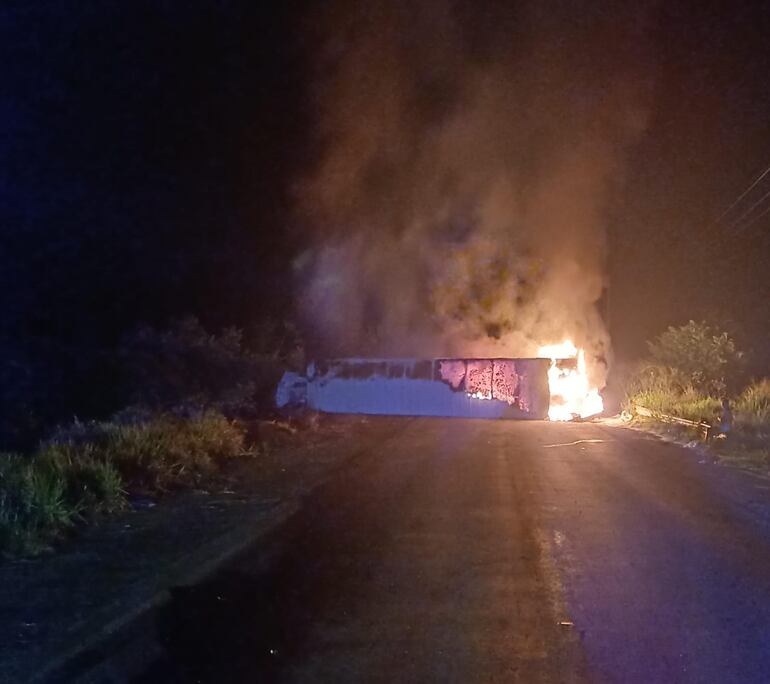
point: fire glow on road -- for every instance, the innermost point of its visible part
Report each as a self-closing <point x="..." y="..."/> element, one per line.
<point x="571" y="393"/>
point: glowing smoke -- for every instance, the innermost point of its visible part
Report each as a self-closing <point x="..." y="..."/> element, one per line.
<point x="470" y="152"/>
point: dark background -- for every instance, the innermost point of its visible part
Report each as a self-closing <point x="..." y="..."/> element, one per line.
<point x="149" y="150"/>
<point x="707" y="139"/>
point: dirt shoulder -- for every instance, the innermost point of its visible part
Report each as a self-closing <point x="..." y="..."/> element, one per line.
<point x="62" y="603"/>
<point x="744" y="452"/>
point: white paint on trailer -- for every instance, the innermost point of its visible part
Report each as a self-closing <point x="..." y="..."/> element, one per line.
<point x="421" y="388"/>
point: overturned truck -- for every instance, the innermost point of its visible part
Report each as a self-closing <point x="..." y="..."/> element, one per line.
<point x="473" y="388"/>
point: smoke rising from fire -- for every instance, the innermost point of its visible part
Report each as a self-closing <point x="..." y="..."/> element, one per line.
<point x="470" y="153"/>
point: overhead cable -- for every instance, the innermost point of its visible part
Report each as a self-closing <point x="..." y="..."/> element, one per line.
<point x="743" y="194"/>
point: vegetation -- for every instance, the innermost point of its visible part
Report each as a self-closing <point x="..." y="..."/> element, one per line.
<point x="658" y="389"/>
<point x="178" y="368"/>
<point x="186" y="368"/>
<point x="32" y="504"/>
<point x="692" y="371"/>
<point x="748" y="446"/>
<point x="752" y="408"/>
<point x="184" y="365"/>
<point x="157" y="452"/>
<point x="697" y="356"/>
<point x="87" y="469"/>
<point x="183" y="388"/>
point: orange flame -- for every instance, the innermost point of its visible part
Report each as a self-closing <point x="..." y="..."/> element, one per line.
<point x="571" y="393"/>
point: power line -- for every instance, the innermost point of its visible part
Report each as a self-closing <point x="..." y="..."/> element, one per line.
<point x="754" y="220"/>
<point x="743" y="194"/>
<point x="749" y="210"/>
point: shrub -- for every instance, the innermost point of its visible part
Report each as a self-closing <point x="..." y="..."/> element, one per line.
<point x="752" y="407"/>
<point x="279" y="341"/>
<point x="698" y="357"/>
<point x="186" y="366"/>
<point x="91" y="483"/>
<point x="659" y="389"/>
<point x="33" y="507"/>
<point x="82" y="469"/>
<point x="650" y="378"/>
<point x="157" y="453"/>
<point x="169" y="451"/>
<point x="43" y="494"/>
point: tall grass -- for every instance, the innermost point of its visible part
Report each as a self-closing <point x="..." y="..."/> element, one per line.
<point x="169" y="451"/>
<point x="32" y="504"/>
<point x="158" y="452"/>
<point x="657" y="389"/>
<point x="752" y="408"/>
<point x="92" y="484"/>
<point x="86" y="468"/>
<point x="688" y="405"/>
<point x="747" y="444"/>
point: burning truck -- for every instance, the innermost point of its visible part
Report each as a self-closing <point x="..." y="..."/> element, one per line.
<point x="554" y="385"/>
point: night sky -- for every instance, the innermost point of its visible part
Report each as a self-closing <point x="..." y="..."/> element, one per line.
<point x="152" y="150"/>
<point x="707" y="139"/>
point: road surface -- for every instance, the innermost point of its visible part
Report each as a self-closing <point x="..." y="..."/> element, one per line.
<point x="492" y="551"/>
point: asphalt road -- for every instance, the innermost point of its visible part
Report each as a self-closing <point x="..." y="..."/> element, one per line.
<point x="492" y="551"/>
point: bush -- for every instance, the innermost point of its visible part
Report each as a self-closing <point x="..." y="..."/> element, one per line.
<point x="91" y="483"/>
<point x="33" y="507"/>
<point x="44" y="382"/>
<point x="189" y="368"/>
<point x="171" y="452"/>
<point x="157" y="453"/>
<point x="658" y="388"/>
<point x="186" y="366"/>
<point x="279" y="341"/>
<point x="82" y="470"/>
<point x="698" y="357"/>
<point x="752" y="407"/>
<point x="43" y="494"/>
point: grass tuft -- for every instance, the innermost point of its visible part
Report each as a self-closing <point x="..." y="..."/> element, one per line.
<point x="33" y="505"/>
<point x="747" y="444"/>
<point x="657" y="389"/>
<point x="752" y="407"/>
<point x="85" y="469"/>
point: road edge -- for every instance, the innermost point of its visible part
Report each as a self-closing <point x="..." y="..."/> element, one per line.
<point x="188" y="570"/>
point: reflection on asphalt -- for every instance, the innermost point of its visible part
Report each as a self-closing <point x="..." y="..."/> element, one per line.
<point x="476" y="551"/>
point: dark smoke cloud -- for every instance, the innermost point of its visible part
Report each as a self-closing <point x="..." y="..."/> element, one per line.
<point x="470" y="154"/>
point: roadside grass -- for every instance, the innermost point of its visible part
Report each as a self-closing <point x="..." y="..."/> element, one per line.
<point x="86" y="469"/>
<point x="32" y="504"/>
<point x="747" y="445"/>
<point x="658" y="390"/>
<point x="742" y="452"/>
<point x="168" y="452"/>
<point x="752" y="408"/>
<point x="688" y="405"/>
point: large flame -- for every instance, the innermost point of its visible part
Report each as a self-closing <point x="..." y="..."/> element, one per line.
<point x="571" y="393"/>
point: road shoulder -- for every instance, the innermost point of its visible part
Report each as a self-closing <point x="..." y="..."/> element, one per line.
<point x="58" y="608"/>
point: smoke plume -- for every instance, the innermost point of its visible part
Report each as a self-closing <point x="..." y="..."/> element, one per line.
<point x="470" y="152"/>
